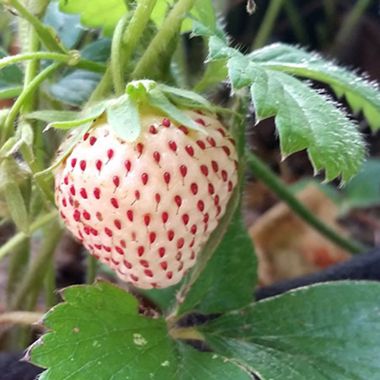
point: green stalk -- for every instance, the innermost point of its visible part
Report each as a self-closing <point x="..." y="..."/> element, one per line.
<point x="130" y="39"/>
<point x="117" y="57"/>
<point x="50" y="286"/>
<point x="44" y="33"/>
<point x="267" y="24"/>
<point x="17" y="239"/>
<point x="10" y="92"/>
<point x="16" y="266"/>
<point x="71" y="59"/>
<point x="350" y="23"/>
<point x="91" y="269"/>
<point x="136" y="27"/>
<point x="296" y="22"/>
<point x="159" y="43"/>
<point x="27" y="92"/>
<point x="31" y="71"/>
<point x="35" y="275"/>
<point x="45" y="188"/>
<point x="263" y="173"/>
<point x="103" y="88"/>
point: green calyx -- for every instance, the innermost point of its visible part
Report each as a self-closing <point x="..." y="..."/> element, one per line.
<point x="123" y="113"/>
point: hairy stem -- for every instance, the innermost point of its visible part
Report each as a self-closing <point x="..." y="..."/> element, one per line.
<point x="103" y="87"/>
<point x="159" y="43"/>
<point x="20" y="237"/>
<point x="91" y="269"/>
<point x="267" y="23"/>
<point x="44" y="34"/>
<point x="16" y="266"/>
<point x="44" y="187"/>
<point x="117" y="56"/>
<point x="50" y="286"/>
<point x="26" y="93"/>
<point x="136" y="27"/>
<point x="31" y="71"/>
<point x="35" y="274"/>
<point x="262" y="172"/>
<point x="71" y="59"/>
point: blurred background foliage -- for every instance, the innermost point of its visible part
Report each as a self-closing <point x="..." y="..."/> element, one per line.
<point x="347" y="31"/>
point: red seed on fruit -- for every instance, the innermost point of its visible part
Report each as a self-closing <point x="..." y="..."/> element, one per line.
<point x="110" y="153"/>
<point x="190" y="150"/>
<point x="114" y="202"/>
<point x="166" y="123"/>
<point x="97" y="192"/>
<point x="165" y="217"/>
<point x="194" y="188"/>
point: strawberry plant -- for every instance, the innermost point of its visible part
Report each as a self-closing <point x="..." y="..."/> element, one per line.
<point x="111" y="138"/>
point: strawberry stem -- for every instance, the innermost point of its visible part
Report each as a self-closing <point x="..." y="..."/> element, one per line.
<point x="117" y="58"/>
<point x="136" y="27"/>
<point x="263" y="173"/>
<point x="26" y="93"/>
<point x="159" y="44"/>
<point x="60" y="57"/>
<point x="35" y="274"/>
<point x="20" y="237"/>
<point x="45" y="35"/>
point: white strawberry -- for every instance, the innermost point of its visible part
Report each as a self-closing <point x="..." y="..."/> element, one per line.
<point x="146" y="208"/>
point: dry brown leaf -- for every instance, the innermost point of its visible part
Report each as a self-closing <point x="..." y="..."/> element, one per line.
<point x="287" y="247"/>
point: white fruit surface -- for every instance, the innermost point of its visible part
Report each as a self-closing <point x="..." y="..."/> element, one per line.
<point x="147" y="208"/>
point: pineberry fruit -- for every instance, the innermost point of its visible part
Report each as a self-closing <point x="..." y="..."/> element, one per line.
<point x="146" y="208"/>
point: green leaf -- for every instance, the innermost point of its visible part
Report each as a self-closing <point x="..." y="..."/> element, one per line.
<point x="26" y="136"/>
<point x="229" y="279"/>
<point x="329" y="332"/>
<point x="195" y="365"/>
<point x="123" y="116"/>
<point x="64" y="125"/>
<point x="215" y="74"/>
<point x="11" y="78"/>
<point x="98" y="333"/>
<point x="364" y="189"/>
<point x="67" y="27"/>
<point x="158" y="100"/>
<point x="12" y="194"/>
<point x="10" y="147"/>
<point x="98" y="51"/>
<point x="96" y="13"/>
<point x="306" y="119"/>
<point x="75" y="136"/>
<point x="361" y="94"/>
<point x="219" y="49"/>
<point x="75" y="88"/>
<point x="241" y="72"/>
<point x="185" y="98"/>
<point x="52" y="115"/>
<point x="202" y="14"/>
<point x="10" y="92"/>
